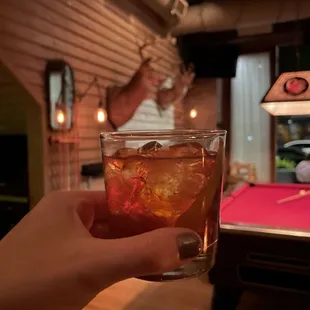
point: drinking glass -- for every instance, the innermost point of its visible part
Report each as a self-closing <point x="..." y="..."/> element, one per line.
<point x="157" y="179"/>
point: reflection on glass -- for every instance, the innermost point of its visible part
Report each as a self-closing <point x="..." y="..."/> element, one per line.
<point x="293" y="148"/>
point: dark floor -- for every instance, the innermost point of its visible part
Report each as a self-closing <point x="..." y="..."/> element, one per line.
<point x="271" y="300"/>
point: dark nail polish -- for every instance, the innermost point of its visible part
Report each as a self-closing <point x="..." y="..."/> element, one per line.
<point x="189" y="245"/>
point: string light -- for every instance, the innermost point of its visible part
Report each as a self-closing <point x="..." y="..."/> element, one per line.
<point x="193" y="113"/>
<point x="101" y="115"/>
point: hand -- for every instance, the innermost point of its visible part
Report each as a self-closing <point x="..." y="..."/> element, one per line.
<point x="53" y="259"/>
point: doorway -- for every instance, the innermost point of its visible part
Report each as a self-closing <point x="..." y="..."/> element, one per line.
<point x="14" y="192"/>
<point x="250" y="124"/>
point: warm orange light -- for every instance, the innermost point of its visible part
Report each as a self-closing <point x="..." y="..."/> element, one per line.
<point x="101" y="115"/>
<point x="60" y="116"/>
<point x="193" y="113"/>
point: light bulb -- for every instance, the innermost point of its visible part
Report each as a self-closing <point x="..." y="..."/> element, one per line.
<point x="193" y="113"/>
<point x="60" y="116"/>
<point x="101" y="115"/>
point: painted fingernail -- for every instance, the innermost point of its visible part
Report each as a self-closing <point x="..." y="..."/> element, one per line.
<point x="189" y="245"/>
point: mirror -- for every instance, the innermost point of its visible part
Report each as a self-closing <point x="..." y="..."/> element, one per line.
<point x="60" y="94"/>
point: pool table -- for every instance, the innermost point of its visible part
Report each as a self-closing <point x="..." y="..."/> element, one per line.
<point x="262" y="243"/>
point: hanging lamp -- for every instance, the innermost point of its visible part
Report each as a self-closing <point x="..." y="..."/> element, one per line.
<point x="290" y="94"/>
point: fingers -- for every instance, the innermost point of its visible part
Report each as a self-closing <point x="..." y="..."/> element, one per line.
<point x="154" y="252"/>
<point x="89" y="205"/>
<point x="98" y="200"/>
<point x="92" y="207"/>
<point x="75" y="198"/>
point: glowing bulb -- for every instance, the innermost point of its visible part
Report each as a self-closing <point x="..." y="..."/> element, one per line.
<point x="193" y="113"/>
<point x="101" y="115"/>
<point x="60" y="116"/>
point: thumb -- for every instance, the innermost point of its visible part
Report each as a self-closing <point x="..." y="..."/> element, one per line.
<point x="150" y="253"/>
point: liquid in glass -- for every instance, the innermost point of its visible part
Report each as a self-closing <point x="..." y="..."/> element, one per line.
<point x="157" y="186"/>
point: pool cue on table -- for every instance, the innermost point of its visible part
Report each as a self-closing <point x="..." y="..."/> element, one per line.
<point x="301" y="194"/>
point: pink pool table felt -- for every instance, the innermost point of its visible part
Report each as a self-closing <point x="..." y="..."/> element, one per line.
<point x="257" y="205"/>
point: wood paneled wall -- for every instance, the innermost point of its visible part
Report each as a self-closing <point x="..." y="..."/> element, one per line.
<point x="202" y="97"/>
<point x="96" y="39"/>
<point x="12" y="119"/>
<point x="21" y="114"/>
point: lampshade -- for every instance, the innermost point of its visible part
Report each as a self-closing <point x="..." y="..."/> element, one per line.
<point x="289" y="95"/>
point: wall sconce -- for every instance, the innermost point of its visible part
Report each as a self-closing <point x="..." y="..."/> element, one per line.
<point x="60" y="116"/>
<point x="60" y="94"/>
<point x="193" y="113"/>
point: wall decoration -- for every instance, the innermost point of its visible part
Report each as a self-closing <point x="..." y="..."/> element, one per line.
<point x="60" y="94"/>
<point x="296" y="86"/>
<point x="63" y="112"/>
<point x="147" y="84"/>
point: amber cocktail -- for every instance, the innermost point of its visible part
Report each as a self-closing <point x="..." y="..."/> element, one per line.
<point x="166" y="179"/>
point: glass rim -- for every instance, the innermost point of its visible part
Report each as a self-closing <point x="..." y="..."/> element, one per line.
<point x="135" y="135"/>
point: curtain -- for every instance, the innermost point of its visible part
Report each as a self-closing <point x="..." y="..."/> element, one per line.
<point x="250" y="124"/>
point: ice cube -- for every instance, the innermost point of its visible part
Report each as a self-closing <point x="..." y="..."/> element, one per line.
<point x="134" y="174"/>
<point x="190" y="149"/>
<point x="172" y="184"/>
<point x="162" y="181"/>
<point x="125" y="152"/>
<point x="134" y="168"/>
<point x="149" y="148"/>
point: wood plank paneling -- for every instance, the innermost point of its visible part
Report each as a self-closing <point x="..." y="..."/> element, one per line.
<point x="97" y="40"/>
<point x="203" y="98"/>
<point x="12" y="115"/>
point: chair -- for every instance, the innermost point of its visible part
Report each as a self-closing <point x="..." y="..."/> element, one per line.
<point x="243" y="172"/>
<point x="239" y="174"/>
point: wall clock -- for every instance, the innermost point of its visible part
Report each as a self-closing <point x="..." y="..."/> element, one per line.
<point x="60" y="94"/>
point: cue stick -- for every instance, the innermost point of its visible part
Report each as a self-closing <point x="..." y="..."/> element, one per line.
<point x="301" y="194"/>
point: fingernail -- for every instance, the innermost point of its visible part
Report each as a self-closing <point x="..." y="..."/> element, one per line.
<point x="189" y="245"/>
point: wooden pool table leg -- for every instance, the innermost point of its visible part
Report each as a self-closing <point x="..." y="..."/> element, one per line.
<point x="225" y="298"/>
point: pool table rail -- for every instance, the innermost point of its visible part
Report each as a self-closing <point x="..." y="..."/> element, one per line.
<point x="255" y="257"/>
<point x="265" y="231"/>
